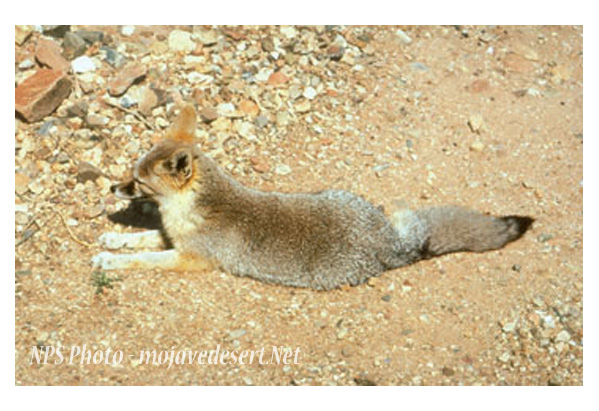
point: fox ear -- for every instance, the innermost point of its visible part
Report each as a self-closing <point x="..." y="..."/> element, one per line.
<point x="127" y="190"/>
<point x="181" y="165"/>
<point x="184" y="126"/>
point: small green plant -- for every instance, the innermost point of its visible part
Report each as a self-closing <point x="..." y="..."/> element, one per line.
<point x="101" y="281"/>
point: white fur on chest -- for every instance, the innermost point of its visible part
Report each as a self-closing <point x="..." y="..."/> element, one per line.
<point x="179" y="214"/>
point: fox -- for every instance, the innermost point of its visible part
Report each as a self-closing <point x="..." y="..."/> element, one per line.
<point x="321" y="240"/>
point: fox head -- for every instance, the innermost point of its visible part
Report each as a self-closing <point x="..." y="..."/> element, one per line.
<point x="170" y="167"/>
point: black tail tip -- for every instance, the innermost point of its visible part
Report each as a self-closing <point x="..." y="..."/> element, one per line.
<point x="521" y="224"/>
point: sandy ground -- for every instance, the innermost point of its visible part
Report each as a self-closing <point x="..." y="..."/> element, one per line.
<point x="485" y="117"/>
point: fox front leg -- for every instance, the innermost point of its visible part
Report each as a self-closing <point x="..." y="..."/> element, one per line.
<point x="144" y="239"/>
<point x="147" y="260"/>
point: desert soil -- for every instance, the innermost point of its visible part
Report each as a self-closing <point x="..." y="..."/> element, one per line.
<point x="485" y="117"/>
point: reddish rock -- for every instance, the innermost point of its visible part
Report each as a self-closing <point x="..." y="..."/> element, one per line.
<point x="125" y="78"/>
<point x="48" y="53"/>
<point x="259" y="165"/>
<point x="40" y="94"/>
<point x="479" y="86"/>
<point x="249" y="107"/>
<point x="149" y="100"/>
<point x="277" y="78"/>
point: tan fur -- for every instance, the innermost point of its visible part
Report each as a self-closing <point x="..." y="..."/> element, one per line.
<point x="320" y="240"/>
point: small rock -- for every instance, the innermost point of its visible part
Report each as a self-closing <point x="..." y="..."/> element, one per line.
<point x="282" y="119"/>
<point x="73" y="45"/>
<point x="208" y="114"/>
<point x="127" y="30"/>
<point x="206" y="37"/>
<point x="448" y="372"/>
<point x="95" y="120"/>
<point x="282" y="169"/>
<point x="303" y="106"/>
<point x="277" y="78"/>
<point x="310" y="93"/>
<point x="342" y="333"/>
<point x="125" y="78"/>
<point x="235" y="334"/>
<point x="22" y="33"/>
<point x="40" y="94"/>
<point x="21" y="182"/>
<point x="386" y="298"/>
<point x="113" y="57"/>
<point x="476" y="123"/>
<point x="259" y="165"/>
<point x="87" y="172"/>
<point x="419" y="66"/>
<point x="49" y="53"/>
<point x="27" y="64"/>
<point x="505" y="357"/>
<point x="225" y="109"/>
<point x="479" y="86"/>
<point x="563" y="336"/>
<point x="179" y="40"/>
<point x="544" y="237"/>
<point x="509" y="327"/>
<point x="477" y="146"/>
<point x="148" y="102"/>
<point x="403" y="36"/>
<point x="261" y="121"/>
<point x="249" y="107"/>
<point x="83" y="64"/>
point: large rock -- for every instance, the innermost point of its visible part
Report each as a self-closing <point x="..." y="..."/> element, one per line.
<point x="40" y="94"/>
<point x="49" y="53"/>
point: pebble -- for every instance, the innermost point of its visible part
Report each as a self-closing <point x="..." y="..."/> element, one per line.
<point x="303" y="106"/>
<point x="87" y="172"/>
<point x="179" y="40"/>
<point x="277" y="78"/>
<point x="563" y="336"/>
<point x="208" y="114"/>
<point x="403" y="36"/>
<point x="261" y="121"/>
<point x="127" y="30"/>
<point x="477" y="146"/>
<point x="476" y="123"/>
<point x="26" y="64"/>
<point x="125" y="78"/>
<point x="83" y="64"/>
<point x="113" y="57"/>
<point x="310" y="93"/>
<point x="235" y="334"/>
<point x="206" y="37"/>
<point x="282" y="169"/>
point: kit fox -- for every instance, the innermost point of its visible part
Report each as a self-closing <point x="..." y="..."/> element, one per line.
<point x="321" y="240"/>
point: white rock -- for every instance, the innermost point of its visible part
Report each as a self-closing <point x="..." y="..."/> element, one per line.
<point x="310" y="93"/>
<point x="127" y="30"/>
<point x="283" y="169"/>
<point x="180" y="40"/>
<point x="83" y="64"/>
<point x="403" y="36"/>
